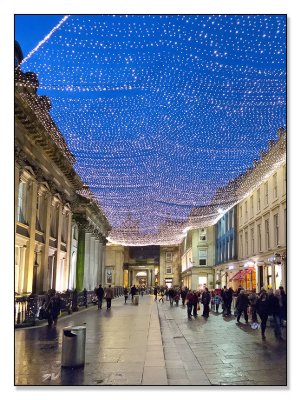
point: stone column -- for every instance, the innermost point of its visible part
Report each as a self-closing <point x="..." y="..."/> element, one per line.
<point x="30" y="256"/>
<point x="68" y="249"/>
<point x="58" y="266"/>
<point x="87" y="259"/>
<point x="45" y="256"/>
<point x="92" y="263"/>
<point x="97" y="266"/>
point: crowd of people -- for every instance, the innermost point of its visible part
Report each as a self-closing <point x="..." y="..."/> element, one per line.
<point x="249" y="304"/>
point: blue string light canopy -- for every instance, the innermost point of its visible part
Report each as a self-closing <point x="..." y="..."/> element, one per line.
<point x="162" y="111"/>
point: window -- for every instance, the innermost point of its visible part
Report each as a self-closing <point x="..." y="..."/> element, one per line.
<point x="266" y="194"/>
<point x="252" y="206"/>
<point x="259" y="237"/>
<point x="284" y="179"/>
<point x="203" y="257"/>
<point x="246" y="211"/>
<point x="275" y="190"/>
<point x="203" y="234"/>
<point x="54" y="220"/>
<point x="246" y="244"/>
<point x="252" y="241"/>
<point x="284" y="225"/>
<point x="22" y="203"/>
<point x="258" y="200"/>
<point x="168" y="269"/>
<point x="241" y="245"/>
<point x="240" y="212"/>
<point x="168" y="257"/>
<point x="267" y="234"/>
<point x="40" y="223"/>
<point x="230" y="219"/>
<point x="64" y="228"/>
<point x="276" y="230"/>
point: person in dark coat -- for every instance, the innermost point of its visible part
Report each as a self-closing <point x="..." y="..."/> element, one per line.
<point x="275" y="312"/>
<point x="195" y="303"/>
<point x="262" y="309"/>
<point x="156" y="293"/>
<point x="206" y="301"/>
<point x="54" y="308"/>
<point x="133" y="292"/>
<point x="99" y="293"/>
<point x="189" y="298"/>
<point x="229" y="300"/>
<point x="283" y="306"/>
<point x="109" y="296"/>
<point x="242" y="305"/>
<point x="171" y="295"/>
<point x="225" y="297"/>
<point x="183" y="295"/>
<point x="126" y="294"/>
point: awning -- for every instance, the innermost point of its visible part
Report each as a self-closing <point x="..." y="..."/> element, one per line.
<point x="240" y="275"/>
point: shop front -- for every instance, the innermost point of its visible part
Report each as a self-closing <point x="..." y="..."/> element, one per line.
<point x="245" y="277"/>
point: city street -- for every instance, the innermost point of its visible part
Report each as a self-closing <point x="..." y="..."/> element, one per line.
<point x="152" y="344"/>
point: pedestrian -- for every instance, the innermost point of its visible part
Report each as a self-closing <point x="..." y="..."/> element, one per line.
<point x="99" y="294"/>
<point x="161" y="296"/>
<point x="274" y="308"/>
<point x="53" y="309"/>
<point x="85" y="294"/>
<point x="156" y="293"/>
<point x="206" y="302"/>
<point x="283" y="305"/>
<point x="166" y="292"/>
<point x="109" y="296"/>
<point x="242" y="305"/>
<point x="195" y="303"/>
<point x="183" y="295"/>
<point x="125" y="293"/>
<point x="171" y="295"/>
<point x="217" y="301"/>
<point x="253" y="300"/>
<point x="189" y="303"/>
<point x="133" y="292"/>
<point x="224" y="296"/>
<point x="230" y="293"/>
<point x="262" y="309"/>
<point x="177" y="297"/>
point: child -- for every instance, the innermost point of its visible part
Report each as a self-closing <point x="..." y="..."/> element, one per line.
<point x="217" y="300"/>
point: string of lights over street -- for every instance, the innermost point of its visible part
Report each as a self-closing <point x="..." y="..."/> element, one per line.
<point x="161" y="111"/>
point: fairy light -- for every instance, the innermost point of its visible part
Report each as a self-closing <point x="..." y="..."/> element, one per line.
<point x="164" y="114"/>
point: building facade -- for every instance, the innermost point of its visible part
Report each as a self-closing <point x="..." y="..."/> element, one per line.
<point x="51" y="210"/>
<point x="198" y="258"/>
<point x="226" y="248"/>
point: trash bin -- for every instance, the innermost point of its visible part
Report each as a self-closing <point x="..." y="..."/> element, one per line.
<point x="73" y="347"/>
<point x="136" y="299"/>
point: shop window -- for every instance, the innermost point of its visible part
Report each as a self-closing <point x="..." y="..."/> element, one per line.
<point x="168" y="269"/>
<point x="267" y="234"/>
<point x="276" y="230"/>
<point x="168" y="257"/>
<point x="259" y="237"/>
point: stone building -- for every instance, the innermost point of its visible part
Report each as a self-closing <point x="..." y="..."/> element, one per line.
<point x="51" y="210"/>
<point x="198" y="258"/>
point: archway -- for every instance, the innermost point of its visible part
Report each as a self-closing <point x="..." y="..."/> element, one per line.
<point x="141" y="279"/>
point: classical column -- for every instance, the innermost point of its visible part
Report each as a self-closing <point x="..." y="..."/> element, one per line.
<point x="92" y="265"/>
<point x="80" y="262"/>
<point x="45" y="256"/>
<point x="68" y="249"/>
<point x="30" y="256"/>
<point x="97" y="266"/>
<point x="87" y="259"/>
<point x="58" y="266"/>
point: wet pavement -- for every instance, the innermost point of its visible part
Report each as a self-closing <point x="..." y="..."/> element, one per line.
<point x="152" y="344"/>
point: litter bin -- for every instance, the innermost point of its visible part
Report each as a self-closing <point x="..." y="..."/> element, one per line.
<point x="73" y="347"/>
<point x="136" y="300"/>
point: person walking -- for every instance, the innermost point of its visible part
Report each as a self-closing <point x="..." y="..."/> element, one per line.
<point x="195" y="303"/>
<point x="109" y="296"/>
<point x="171" y="295"/>
<point x="183" y="295"/>
<point x="253" y="301"/>
<point x="189" y="303"/>
<point x="275" y="312"/>
<point x="217" y="301"/>
<point x="206" y="302"/>
<point x="53" y="309"/>
<point x="133" y="292"/>
<point x="262" y="309"/>
<point x="283" y="305"/>
<point x="156" y="293"/>
<point x="242" y="305"/>
<point x="99" y="293"/>
<point x="126" y="294"/>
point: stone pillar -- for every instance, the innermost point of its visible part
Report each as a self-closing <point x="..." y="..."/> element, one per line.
<point x="58" y="261"/>
<point x="30" y="256"/>
<point x="68" y="250"/>
<point x="97" y="264"/>
<point x="92" y="264"/>
<point x="17" y="183"/>
<point x="80" y="261"/>
<point x="100" y="279"/>
<point x="45" y="255"/>
<point x="87" y="259"/>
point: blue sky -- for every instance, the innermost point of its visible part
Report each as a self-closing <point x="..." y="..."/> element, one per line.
<point x="160" y="110"/>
